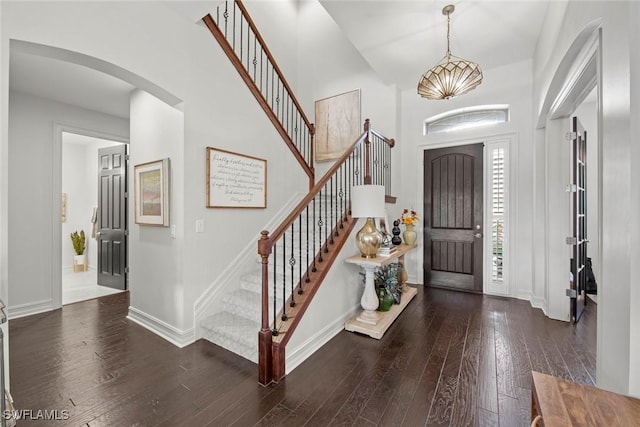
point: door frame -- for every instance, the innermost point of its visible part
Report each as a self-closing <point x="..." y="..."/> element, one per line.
<point x="510" y="139"/>
<point x="56" y="179"/>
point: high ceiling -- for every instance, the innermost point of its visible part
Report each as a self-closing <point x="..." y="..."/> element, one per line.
<point x="400" y="39"/>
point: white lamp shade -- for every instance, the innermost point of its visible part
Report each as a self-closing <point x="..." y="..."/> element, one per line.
<point x="367" y="201"/>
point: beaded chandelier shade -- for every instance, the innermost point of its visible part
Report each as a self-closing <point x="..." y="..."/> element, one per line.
<point x="452" y="76"/>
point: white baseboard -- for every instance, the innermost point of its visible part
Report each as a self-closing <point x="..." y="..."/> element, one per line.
<point x="313" y="343"/>
<point x="540" y="303"/>
<point x="170" y="333"/>
<point x="22" y="310"/>
<point x="525" y="295"/>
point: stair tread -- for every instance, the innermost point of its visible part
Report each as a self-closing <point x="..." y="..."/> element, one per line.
<point x="227" y="321"/>
<point x="235" y="333"/>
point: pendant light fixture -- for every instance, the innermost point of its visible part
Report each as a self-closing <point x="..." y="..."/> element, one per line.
<point x="452" y="76"/>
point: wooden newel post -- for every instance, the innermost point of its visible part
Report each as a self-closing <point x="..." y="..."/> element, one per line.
<point x="367" y="154"/>
<point x="265" y="371"/>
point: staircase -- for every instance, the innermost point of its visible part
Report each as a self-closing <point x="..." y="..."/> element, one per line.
<point x="236" y="326"/>
<point x="272" y="294"/>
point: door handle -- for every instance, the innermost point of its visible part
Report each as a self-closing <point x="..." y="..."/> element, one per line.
<point x="478" y="235"/>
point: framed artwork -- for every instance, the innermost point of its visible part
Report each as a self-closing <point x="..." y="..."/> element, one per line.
<point x="63" y="207"/>
<point x="235" y="180"/>
<point x="337" y="124"/>
<point x="151" y="197"/>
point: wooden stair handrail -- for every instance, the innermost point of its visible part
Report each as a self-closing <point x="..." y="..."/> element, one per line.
<point x="273" y="61"/>
<point x="264" y="245"/>
<point x="246" y="77"/>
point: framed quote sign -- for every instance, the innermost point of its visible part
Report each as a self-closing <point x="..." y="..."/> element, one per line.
<point x="235" y="180"/>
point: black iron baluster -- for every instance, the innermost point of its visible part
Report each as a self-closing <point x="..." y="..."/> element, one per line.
<point x="292" y="264"/>
<point x="329" y="202"/>
<point x="314" y="269"/>
<point x="341" y="195"/>
<point x="275" y="288"/>
<point x="387" y="169"/>
<point x="320" y="225"/>
<point x="308" y="279"/>
<point x="233" y="27"/>
<point x="378" y="164"/>
<point x="349" y="175"/>
<point x="226" y="18"/>
<point x="326" y="233"/>
<point x="284" y="278"/>
<point x="300" y="253"/>
<point x="255" y="59"/>
<point x="241" y="38"/>
<point x="248" y="44"/>
<point x="336" y="217"/>
<point x="278" y="99"/>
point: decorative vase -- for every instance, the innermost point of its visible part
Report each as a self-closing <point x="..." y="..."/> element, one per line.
<point x="396" y="240"/>
<point x="79" y="262"/>
<point x="386" y="300"/>
<point x="409" y="235"/>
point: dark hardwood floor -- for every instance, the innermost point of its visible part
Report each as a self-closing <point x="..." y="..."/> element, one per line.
<point x="450" y="359"/>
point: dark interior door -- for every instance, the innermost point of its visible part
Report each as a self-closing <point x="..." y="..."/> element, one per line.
<point x="453" y="236"/>
<point x="112" y="216"/>
<point x="578" y="286"/>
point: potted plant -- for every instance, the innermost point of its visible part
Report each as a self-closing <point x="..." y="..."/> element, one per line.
<point x="387" y="286"/>
<point x="78" y="240"/>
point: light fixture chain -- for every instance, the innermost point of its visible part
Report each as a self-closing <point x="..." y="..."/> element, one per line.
<point x="448" y="36"/>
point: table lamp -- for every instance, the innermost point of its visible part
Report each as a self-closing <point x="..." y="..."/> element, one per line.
<point x="367" y="201"/>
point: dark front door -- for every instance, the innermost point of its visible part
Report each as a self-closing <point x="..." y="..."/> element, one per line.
<point x="579" y="216"/>
<point x="112" y="216"/>
<point x="453" y="235"/>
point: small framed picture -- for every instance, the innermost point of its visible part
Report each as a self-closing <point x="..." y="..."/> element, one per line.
<point x="151" y="196"/>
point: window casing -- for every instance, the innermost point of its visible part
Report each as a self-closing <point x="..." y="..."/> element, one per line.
<point x="466" y="118"/>
<point x="497" y="218"/>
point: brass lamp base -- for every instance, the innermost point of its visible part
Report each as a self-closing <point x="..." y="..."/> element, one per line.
<point x="369" y="239"/>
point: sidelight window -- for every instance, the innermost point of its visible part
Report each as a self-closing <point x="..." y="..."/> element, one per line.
<point x="497" y="182"/>
<point x="497" y="213"/>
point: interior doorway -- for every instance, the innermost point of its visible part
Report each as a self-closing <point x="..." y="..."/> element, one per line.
<point x="79" y="213"/>
<point x="587" y="114"/>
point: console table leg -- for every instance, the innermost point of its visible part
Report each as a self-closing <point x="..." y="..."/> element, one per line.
<point x="369" y="300"/>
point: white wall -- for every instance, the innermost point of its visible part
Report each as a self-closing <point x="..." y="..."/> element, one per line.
<point x="219" y="111"/>
<point x="617" y="356"/>
<point x="34" y="228"/>
<point x="155" y="257"/>
<point x="634" y="232"/>
<point x="505" y="85"/>
<point x="329" y="65"/>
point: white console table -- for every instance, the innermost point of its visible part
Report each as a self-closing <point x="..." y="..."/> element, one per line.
<point x="369" y="321"/>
